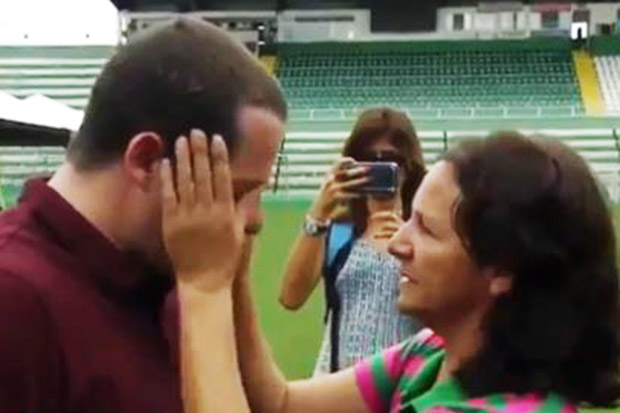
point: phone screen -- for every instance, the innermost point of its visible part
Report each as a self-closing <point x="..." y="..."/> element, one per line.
<point x="383" y="178"/>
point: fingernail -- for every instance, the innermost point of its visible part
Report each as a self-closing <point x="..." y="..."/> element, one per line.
<point x="164" y="167"/>
<point x="197" y="133"/>
<point x="218" y="139"/>
<point x="218" y="146"/>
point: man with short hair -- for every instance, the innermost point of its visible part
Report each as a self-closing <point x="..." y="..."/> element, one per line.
<point x="83" y="269"/>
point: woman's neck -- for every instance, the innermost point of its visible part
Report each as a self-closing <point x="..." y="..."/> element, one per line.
<point x="463" y="339"/>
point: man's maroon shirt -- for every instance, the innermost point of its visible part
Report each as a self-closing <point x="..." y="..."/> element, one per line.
<point x="81" y="323"/>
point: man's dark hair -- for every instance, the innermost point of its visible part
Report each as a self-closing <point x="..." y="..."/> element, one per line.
<point x="534" y="210"/>
<point x="181" y="75"/>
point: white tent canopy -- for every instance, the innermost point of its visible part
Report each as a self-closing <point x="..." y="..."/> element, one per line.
<point x="39" y="110"/>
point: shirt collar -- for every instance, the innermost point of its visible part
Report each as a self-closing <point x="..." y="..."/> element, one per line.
<point x="121" y="275"/>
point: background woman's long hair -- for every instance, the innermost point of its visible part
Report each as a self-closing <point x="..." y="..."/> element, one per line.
<point x="372" y="125"/>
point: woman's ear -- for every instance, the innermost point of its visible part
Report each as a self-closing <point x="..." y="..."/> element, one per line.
<point x="500" y="281"/>
<point x="500" y="286"/>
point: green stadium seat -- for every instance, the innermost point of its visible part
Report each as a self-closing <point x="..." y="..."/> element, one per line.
<point x="349" y="75"/>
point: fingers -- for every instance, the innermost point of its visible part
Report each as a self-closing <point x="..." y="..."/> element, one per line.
<point x="343" y="163"/>
<point x="185" y="184"/>
<point x="202" y="166"/>
<point x="346" y="196"/>
<point x="387" y="224"/>
<point x="345" y="168"/>
<point x="342" y="181"/>
<point x="386" y="231"/>
<point x="390" y="226"/>
<point x="384" y="235"/>
<point x="386" y="216"/>
<point x="169" y="195"/>
<point x="352" y="184"/>
<point x="347" y="174"/>
<point x="222" y="180"/>
<point x="344" y="191"/>
<point x="202" y="172"/>
<point x="334" y="193"/>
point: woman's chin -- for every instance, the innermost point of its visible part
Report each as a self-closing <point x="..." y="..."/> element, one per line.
<point x="405" y="303"/>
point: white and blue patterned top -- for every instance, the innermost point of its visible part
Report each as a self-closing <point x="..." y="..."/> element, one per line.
<point x="369" y="318"/>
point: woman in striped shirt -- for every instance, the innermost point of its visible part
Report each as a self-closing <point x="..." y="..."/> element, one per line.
<point x="508" y="257"/>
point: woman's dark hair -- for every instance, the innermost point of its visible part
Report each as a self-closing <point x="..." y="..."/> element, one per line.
<point x="372" y="125"/>
<point x="533" y="210"/>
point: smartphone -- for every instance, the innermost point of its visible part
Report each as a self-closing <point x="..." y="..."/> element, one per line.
<point x="383" y="178"/>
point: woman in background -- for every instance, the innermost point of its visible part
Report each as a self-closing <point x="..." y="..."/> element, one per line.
<point x="344" y="241"/>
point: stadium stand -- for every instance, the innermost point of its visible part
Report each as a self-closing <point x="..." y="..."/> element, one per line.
<point x="485" y="80"/>
<point x="20" y="163"/>
<point x="307" y="156"/>
<point x="65" y="74"/>
<point x="589" y="83"/>
<point x="449" y="76"/>
<point x="608" y="68"/>
<point x="270" y="63"/>
<point x="606" y="55"/>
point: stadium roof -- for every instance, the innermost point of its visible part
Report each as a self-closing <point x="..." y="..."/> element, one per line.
<point x="189" y="5"/>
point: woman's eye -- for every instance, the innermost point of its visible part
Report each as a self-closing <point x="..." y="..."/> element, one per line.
<point x="423" y="227"/>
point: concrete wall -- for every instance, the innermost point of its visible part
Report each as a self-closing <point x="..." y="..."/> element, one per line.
<point x="602" y="13"/>
<point x="305" y="25"/>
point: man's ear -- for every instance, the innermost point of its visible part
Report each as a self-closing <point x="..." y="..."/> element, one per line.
<point x="142" y="157"/>
<point x="500" y="281"/>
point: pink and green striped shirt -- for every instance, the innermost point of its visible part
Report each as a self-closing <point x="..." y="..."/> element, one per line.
<point x="402" y="380"/>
